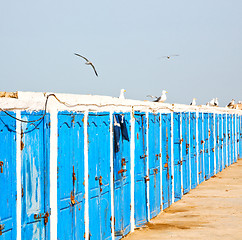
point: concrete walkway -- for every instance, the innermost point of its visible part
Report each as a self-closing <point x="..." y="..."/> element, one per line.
<point x="211" y="211"/>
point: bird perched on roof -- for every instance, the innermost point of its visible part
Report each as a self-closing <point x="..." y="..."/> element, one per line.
<point x="87" y="62"/>
<point x="193" y="103"/>
<point x="168" y="57"/>
<point x="122" y="91"/>
<point x="212" y="103"/>
<point x="162" y="98"/>
<point x="231" y="104"/>
<point x="216" y="102"/>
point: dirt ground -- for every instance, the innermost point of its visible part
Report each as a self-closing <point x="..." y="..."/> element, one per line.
<point x="211" y="211"/>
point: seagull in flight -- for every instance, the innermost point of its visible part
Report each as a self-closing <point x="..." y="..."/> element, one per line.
<point x="87" y="62"/>
<point x="168" y="57"/>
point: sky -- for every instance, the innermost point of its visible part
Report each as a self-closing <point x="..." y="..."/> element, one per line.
<point x="126" y="41"/>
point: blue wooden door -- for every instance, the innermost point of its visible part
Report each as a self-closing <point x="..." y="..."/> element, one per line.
<point x="234" y="138"/>
<point x="35" y="176"/>
<point x="237" y="136"/>
<point x="229" y="139"/>
<point x="240" y="136"/>
<point x="211" y="143"/>
<point x="140" y="165"/>
<point x="70" y="180"/>
<point x="166" y="160"/>
<point x="121" y="174"/>
<point x="177" y="155"/>
<point x="99" y="175"/>
<point x="154" y="164"/>
<point x="201" y="174"/>
<point x="220" y="141"/>
<point x="193" y="149"/>
<point x="224" y="141"/>
<point x="185" y="153"/>
<point x="216" y="141"/>
<point x="206" y="145"/>
<point x="7" y="177"/>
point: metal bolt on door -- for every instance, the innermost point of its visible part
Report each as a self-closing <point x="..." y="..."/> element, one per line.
<point x="185" y="153"/>
<point x="70" y="191"/>
<point x="121" y="174"/>
<point x="177" y="141"/>
<point x="166" y="160"/>
<point x="193" y="149"/>
<point x="99" y="175"/>
<point x="140" y="177"/>
<point x="35" y="176"/>
<point x="154" y="164"/>
<point x="7" y="176"/>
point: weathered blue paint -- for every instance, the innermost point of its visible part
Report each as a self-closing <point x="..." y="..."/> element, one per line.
<point x="240" y="136"/>
<point x="220" y="142"/>
<point x="177" y="155"/>
<point x="229" y="139"/>
<point x="216" y="142"/>
<point x="154" y="164"/>
<point x="122" y="197"/>
<point x="224" y="140"/>
<point x="193" y="149"/>
<point x="70" y="191"/>
<point x="234" y="137"/>
<point x="185" y="153"/>
<point x="8" y="176"/>
<point x="35" y="175"/>
<point x="140" y="166"/>
<point x="99" y="175"/>
<point x="237" y="135"/>
<point x="206" y="145"/>
<point x="166" y="160"/>
<point x="201" y="173"/>
<point x="211" y="143"/>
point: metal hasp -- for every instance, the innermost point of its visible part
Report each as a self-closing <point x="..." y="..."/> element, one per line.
<point x="166" y="160"/>
<point x="99" y="195"/>
<point x="70" y="178"/>
<point x="35" y="175"/>
<point x="177" y="141"/>
<point x="121" y="176"/>
<point x="193" y="149"/>
<point x="154" y="164"/>
<point x="45" y="216"/>
<point x="185" y="152"/>
<point x="8" y="176"/>
<point x="140" y="169"/>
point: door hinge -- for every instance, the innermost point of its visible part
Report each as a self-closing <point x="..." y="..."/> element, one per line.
<point x="2" y="226"/>
<point x="1" y="166"/>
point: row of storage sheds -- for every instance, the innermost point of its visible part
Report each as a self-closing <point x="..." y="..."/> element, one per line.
<point x="101" y="167"/>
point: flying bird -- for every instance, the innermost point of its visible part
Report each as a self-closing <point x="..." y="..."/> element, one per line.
<point x="122" y="91"/>
<point x="193" y="103"/>
<point x="87" y="62"/>
<point x="162" y="98"/>
<point x="168" y="57"/>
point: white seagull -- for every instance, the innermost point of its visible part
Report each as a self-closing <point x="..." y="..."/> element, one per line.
<point x="122" y="91"/>
<point x="231" y="104"/>
<point x="162" y="98"/>
<point x="87" y="62"/>
<point x="193" y="103"/>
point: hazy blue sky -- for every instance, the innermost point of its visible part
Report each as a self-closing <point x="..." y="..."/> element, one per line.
<point x="126" y="41"/>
